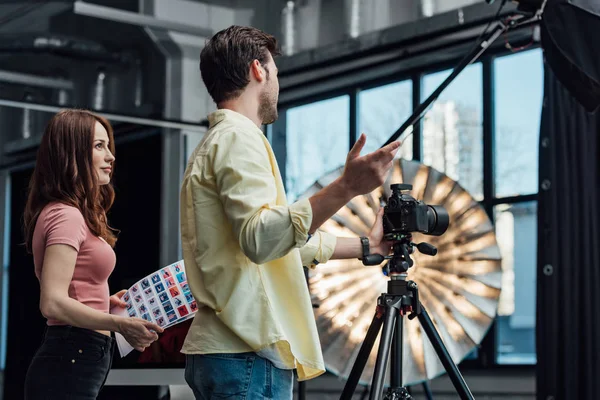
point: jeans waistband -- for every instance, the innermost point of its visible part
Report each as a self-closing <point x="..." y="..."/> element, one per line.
<point x="68" y="331"/>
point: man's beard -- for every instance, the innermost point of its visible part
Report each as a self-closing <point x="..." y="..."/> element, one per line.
<point x="267" y="109"/>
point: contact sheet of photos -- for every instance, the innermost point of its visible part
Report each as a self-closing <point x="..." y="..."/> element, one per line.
<point x="162" y="297"/>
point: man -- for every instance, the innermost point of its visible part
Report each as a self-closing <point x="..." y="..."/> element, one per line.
<point x="244" y="246"/>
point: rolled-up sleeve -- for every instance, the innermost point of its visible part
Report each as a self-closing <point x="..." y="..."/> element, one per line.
<point x="248" y="191"/>
<point x="318" y="249"/>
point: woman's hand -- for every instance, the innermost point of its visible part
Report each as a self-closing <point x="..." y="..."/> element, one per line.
<point x="138" y="332"/>
<point x="376" y="242"/>
<point x="115" y="299"/>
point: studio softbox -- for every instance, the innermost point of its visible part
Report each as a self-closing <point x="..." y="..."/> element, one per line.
<point x="570" y="39"/>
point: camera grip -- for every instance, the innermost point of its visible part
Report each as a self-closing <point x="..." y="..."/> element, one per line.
<point x="373" y="259"/>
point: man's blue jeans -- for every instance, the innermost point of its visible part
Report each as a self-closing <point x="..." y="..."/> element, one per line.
<point x="243" y="376"/>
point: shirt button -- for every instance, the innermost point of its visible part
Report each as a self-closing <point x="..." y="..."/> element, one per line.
<point x="80" y="351"/>
<point x="73" y="361"/>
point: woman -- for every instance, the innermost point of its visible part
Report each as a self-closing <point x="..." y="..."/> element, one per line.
<point x="66" y="229"/>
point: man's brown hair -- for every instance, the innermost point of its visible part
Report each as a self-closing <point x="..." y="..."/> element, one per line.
<point x="226" y="58"/>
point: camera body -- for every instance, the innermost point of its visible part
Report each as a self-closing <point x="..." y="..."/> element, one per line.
<point x="404" y="214"/>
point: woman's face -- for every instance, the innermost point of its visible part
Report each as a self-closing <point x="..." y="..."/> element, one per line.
<point x="102" y="157"/>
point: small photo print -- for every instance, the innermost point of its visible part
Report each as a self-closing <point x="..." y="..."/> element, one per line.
<point x="183" y="311"/>
<point x="145" y="284"/>
<point x="159" y="288"/>
<point x="148" y="292"/>
<point x="185" y="287"/>
<point x="193" y="306"/>
<point x="188" y="297"/>
<point x="166" y="273"/>
<point x="135" y="289"/>
<point x="174" y="291"/>
<point x="143" y="309"/>
<point x="138" y="298"/>
<point x="147" y="317"/>
<point x="177" y="268"/>
<point x="170" y="282"/>
<point x="171" y="316"/>
<point x="161" y="321"/>
<point x="152" y="302"/>
<point x="177" y="301"/>
<point x="163" y="297"/>
<point x="156" y="312"/>
<point x="181" y="277"/>
<point x="129" y="306"/>
<point x="155" y="278"/>
<point x="126" y="297"/>
<point x="132" y="313"/>
<point x="168" y="307"/>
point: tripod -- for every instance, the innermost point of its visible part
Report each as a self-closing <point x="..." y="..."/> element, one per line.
<point x="401" y="298"/>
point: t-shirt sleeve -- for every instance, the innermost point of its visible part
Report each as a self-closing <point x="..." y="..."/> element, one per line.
<point x="65" y="225"/>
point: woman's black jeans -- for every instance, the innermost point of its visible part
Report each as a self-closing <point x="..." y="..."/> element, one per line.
<point x="72" y="363"/>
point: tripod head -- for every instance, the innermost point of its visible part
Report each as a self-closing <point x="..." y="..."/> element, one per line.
<point x="400" y="259"/>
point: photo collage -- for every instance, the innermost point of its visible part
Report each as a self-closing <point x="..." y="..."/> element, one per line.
<point x="162" y="297"/>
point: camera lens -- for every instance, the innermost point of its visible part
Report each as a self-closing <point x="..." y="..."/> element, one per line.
<point x="438" y="220"/>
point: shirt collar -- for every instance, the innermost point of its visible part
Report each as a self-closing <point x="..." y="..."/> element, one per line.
<point x="230" y="115"/>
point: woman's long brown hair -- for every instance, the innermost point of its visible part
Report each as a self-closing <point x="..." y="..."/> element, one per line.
<point x="64" y="173"/>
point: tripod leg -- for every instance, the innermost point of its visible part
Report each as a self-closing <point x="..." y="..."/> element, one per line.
<point x="385" y="342"/>
<point x="363" y="356"/>
<point x="396" y="364"/>
<point x="301" y="390"/>
<point x="427" y="391"/>
<point x="453" y="372"/>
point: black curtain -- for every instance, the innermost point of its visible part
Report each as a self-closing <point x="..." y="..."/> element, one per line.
<point x="568" y="300"/>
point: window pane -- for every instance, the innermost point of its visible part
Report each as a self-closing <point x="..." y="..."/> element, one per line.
<point x="516" y="232"/>
<point x="382" y="111"/>
<point x="452" y="128"/>
<point x="518" y="86"/>
<point x="317" y="142"/>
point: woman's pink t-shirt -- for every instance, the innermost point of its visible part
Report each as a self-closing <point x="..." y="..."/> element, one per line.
<point x="62" y="224"/>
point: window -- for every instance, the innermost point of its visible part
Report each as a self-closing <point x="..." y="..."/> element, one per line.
<point x="518" y="87"/>
<point x="317" y="142"/>
<point x="382" y="110"/>
<point x="518" y="105"/>
<point x="452" y="128"/>
<point x="516" y="232"/>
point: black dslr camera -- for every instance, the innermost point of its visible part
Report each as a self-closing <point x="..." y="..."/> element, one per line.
<point x="404" y="214"/>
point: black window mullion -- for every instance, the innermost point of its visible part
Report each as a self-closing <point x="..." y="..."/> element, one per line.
<point x="488" y="345"/>
<point x="417" y="127"/>
<point x="488" y="133"/>
<point x="354" y="116"/>
<point x="277" y="134"/>
<point x="514" y="199"/>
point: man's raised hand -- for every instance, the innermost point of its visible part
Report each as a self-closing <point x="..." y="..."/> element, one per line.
<point x="363" y="174"/>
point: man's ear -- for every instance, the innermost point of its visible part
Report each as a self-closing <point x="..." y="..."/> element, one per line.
<point x="257" y="71"/>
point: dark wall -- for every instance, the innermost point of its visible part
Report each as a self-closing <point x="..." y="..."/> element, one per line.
<point x="136" y="213"/>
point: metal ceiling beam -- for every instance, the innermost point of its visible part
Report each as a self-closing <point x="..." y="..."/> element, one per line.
<point x="188" y="126"/>
<point x="128" y="17"/>
<point x="35" y="80"/>
<point x="26" y="144"/>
